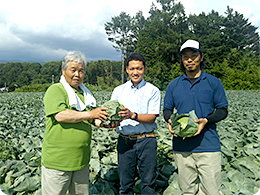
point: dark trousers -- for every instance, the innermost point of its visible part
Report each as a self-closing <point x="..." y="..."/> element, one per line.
<point x="136" y="155"/>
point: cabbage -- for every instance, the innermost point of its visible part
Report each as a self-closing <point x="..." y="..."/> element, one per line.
<point x="183" y="125"/>
<point x="113" y="108"/>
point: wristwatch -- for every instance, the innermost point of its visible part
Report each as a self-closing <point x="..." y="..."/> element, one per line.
<point x="136" y="116"/>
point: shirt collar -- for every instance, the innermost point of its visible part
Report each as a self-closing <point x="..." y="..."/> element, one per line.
<point x="142" y="83"/>
<point x="202" y="76"/>
<point x="76" y="91"/>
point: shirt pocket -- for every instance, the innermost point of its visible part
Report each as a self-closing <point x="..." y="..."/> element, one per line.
<point x="205" y="96"/>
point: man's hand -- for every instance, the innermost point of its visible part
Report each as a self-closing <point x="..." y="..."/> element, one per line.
<point x="126" y="113"/>
<point x="141" y="118"/>
<point x="170" y="128"/>
<point x="202" y="122"/>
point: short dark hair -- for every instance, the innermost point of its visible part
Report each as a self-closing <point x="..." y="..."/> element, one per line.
<point x="135" y="56"/>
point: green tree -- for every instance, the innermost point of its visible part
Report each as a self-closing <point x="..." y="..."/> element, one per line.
<point x="160" y="39"/>
<point x="137" y="24"/>
<point x="239" y="32"/>
<point x="207" y="29"/>
<point x="122" y="32"/>
<point x="241" y="70"/>
<point x="31" y="71"/>
<point x="49" y="69"/>
<point x="23" y="79"/>
<point x="103" y="73"/>
<point x="9" y="73"/>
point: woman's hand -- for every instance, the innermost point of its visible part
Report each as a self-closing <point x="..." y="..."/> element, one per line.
<point x="99" y="113"/>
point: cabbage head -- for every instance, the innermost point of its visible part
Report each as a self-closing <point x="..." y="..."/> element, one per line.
<point x="113" y="108"/>
<point x="183" y="125"/>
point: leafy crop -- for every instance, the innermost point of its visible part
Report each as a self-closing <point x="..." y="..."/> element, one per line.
<point x="22" y="124"/>
<point x="113" y="108"/>
<point x="183" y="125"/>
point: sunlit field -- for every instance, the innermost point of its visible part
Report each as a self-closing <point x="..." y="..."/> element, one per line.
<point x="22" y="125"/>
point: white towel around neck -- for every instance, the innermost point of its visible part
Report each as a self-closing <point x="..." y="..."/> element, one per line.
<point x="74" y="100"/>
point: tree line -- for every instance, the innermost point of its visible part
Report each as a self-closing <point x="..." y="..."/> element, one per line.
<point x="100" y="75"/>
<point x="230" y="43"/>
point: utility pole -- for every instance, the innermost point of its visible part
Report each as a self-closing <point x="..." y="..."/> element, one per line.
<point x="123" y="66"/>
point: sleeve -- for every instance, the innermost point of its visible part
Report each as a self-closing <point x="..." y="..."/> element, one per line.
<point x="168" y="98"/>
<point x="218" y="115"/>
<point x="155" y="102"/>
<point x="220" y="99"/>
<point x="167" y="114"/>
<point x="54" y="100"/>
<point x="114" y="95"/>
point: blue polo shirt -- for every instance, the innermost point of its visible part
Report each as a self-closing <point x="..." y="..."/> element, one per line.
<point x="204" y="96"/>
<point x="145" y="98"/>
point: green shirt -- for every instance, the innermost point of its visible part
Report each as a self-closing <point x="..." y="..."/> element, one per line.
<point x="66" y="146"/>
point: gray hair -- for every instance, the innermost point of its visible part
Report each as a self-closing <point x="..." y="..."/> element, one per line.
<point x="74" y="56"/>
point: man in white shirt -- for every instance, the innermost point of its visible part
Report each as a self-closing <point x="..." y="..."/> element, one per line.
<point x="137" y="145"/>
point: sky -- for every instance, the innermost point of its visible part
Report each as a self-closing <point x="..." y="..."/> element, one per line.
<point x="45" y="30"/>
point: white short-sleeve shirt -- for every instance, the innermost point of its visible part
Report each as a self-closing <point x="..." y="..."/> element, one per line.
<point x="145" y="98"/>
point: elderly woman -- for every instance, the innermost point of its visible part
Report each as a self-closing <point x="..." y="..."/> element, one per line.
<point x="66" y="146"/>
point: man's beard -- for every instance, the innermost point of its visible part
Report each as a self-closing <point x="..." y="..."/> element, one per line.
<point x="191" y="70"/>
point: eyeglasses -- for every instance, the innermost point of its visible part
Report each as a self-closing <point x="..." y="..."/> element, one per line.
<point x="190" y="56"/>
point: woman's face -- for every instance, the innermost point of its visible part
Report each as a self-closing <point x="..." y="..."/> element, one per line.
<point x="74" y="74"/>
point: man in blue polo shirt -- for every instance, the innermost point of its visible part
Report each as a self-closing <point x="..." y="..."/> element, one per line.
<point x="199" y="157"/>
<point x="137" y="145"/>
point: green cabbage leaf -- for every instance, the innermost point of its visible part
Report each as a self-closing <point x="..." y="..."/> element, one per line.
<point x="113" y="108"/>
<point x="183" y="125"/>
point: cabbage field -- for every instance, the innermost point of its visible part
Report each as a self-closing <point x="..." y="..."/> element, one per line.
<point x="22" y="125"/>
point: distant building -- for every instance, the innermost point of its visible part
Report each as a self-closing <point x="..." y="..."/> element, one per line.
<point x="3" y="89"/>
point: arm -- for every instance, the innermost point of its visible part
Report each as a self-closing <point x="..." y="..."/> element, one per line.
<point x="73" y="116"/>
<point x="141" y="118"/>
<point x="153" y="109"/>
<point x="218" y="115"/>
<point x="167" y="115"/>
<point x="55" y="105"/>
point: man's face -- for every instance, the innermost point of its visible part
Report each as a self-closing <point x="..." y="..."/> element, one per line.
<point x="74" y="74"/>
<point x="191" y="60"/>
<point x="136" y="71"/>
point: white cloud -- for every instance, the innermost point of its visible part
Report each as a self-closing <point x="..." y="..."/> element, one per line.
<point x="250" y="11"/>
<point x="35" y="14"/>
<point x="45" y="29"/>
<point x="250" y="8"/>
<point x="258" y="3"/>
<point x="188" y="5"/>
<point x="55" y="26"/>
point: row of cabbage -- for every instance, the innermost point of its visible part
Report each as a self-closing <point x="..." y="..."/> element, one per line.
<point x="22" y="124"/>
